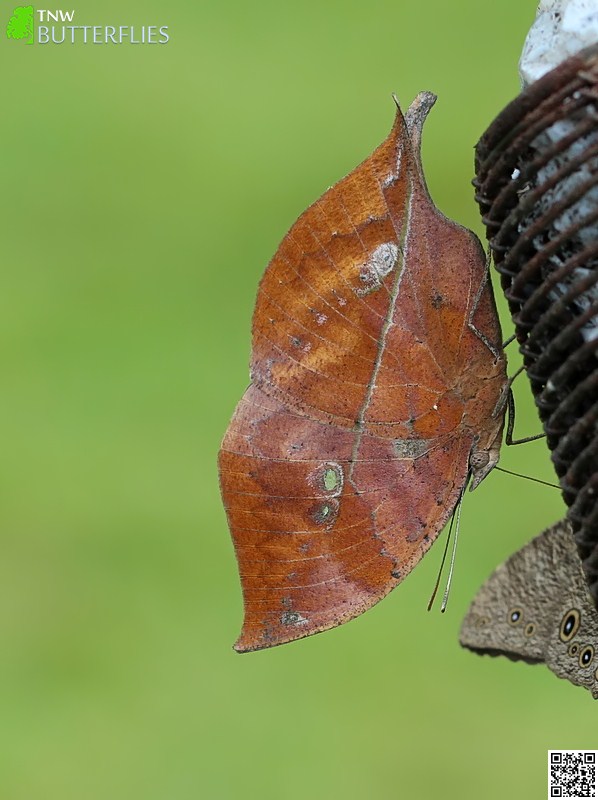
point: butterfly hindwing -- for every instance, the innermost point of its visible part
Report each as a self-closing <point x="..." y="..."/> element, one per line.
<point x="536" y="607"/>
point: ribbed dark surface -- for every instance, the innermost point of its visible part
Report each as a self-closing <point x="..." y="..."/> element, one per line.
<point x="542" y="225"/>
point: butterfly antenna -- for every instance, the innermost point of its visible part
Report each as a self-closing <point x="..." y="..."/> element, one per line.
<point x="454" y="551"/>
<point x="446" y="545"/>
<point x="527" y="477"/>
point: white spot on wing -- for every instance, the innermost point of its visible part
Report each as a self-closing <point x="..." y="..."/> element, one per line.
<point x="379" y="264"/>
<point x="411" y="448"/>
<point x="293" y="618"/>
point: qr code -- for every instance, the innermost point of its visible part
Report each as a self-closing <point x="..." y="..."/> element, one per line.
<point x="572" y="773"/>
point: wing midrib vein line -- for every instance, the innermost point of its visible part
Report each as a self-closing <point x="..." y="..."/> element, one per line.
<point x="403" y="250"/>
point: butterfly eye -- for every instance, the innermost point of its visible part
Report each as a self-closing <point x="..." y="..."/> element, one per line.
<point x="586" y="656"/>
<point x="515" y="616"/>
<point x="569" y="625"/>
<point x="573" y="649"/>
<point x="530" y="629"/>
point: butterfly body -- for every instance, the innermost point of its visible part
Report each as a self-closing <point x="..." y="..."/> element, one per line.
<point x="536" y="607"/>
<point x="377" y="377"/>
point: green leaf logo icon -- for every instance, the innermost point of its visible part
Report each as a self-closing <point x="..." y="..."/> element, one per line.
<point x="20" y="25"/>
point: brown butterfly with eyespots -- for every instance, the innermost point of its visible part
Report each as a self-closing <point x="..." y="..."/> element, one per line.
<point x="536" y="607"/>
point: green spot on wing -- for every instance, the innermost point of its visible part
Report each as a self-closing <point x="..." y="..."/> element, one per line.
<point x="330" y="479"/>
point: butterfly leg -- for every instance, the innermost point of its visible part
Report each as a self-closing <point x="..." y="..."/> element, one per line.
<point x="510" y="400"/>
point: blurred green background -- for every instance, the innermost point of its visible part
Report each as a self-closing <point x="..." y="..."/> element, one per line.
<point x="144" y="189"/>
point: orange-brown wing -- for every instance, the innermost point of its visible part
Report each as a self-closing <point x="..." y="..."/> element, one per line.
<point x="314" y="550"/>
<point x="347" y="454"/>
